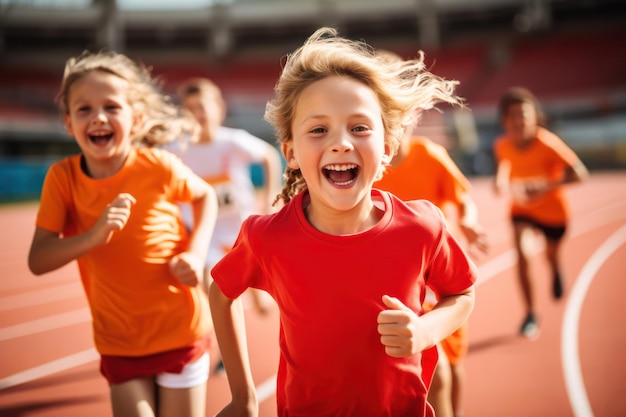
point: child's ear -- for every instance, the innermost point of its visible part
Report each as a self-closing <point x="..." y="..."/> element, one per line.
<point x="67" y="121"/>
<point x="388" y="154"/>
<point x="290" y="155"/>
<point x="137" y="122"/>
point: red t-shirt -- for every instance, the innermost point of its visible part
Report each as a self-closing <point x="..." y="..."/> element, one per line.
<point x="329" y="289"/>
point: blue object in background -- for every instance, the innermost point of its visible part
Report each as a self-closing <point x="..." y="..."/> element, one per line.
<point x="21" y="180"/>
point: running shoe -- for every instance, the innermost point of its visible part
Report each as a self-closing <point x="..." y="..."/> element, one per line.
<point x="530" y="327"/>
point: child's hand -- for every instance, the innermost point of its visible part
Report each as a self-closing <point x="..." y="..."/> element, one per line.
<point x="188" y="268"/>
<point x="113" y="218"/>
<point x="399" y="329"/>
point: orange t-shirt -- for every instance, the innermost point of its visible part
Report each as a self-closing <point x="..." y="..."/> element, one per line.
<point x="545" y="159"/>
<point x="427" y="172"/>
<point x="138" y="307"/>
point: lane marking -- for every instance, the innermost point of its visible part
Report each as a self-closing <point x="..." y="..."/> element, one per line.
<point x="47" y="323"/>
<point x="50" y="368"/>
<point x="40" y="297"/>
<point x="570" y="359"/>
<point x="266" y="389"/>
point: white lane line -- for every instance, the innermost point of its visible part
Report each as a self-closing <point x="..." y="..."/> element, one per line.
<point x="40" y="297"/>
<point x="48" y="323"/>
<point x="49" y="368"/>
<point x="266" y="389"/>
<point x="574" y="381"/>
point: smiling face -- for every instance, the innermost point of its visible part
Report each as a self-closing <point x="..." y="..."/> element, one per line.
<point x="101" y="120"/>
<point x="338" y="143"/>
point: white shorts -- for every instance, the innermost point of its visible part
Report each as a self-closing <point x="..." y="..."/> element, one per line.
<point x="193" y="374"/>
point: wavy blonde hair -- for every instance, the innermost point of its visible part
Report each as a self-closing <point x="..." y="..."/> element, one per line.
<point x="401" y="87"/>
<point x="162" y="120"/>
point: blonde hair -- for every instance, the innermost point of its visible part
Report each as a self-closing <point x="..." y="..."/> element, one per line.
<point x="401" y="88"/>
<point x="162" y="121"/>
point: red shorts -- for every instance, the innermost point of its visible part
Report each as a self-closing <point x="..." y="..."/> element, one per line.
<point x="119" y="369"/>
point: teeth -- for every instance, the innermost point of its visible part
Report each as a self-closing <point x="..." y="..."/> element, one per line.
<point x="337" y="167"/>
<point x="99" y="133"/>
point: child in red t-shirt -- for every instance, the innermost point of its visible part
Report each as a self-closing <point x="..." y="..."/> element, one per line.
<point x="347" y="265"/>
<point x="533" y="165"/>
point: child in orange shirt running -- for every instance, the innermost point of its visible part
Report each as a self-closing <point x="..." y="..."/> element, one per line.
<point x="113" y="208"/>
<point x="533" y="165"/>
<point x="347" y="264"/>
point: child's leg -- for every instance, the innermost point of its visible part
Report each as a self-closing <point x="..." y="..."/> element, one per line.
<point x="184" y="394"/>
<point x="458" y="385"/>
<point x="523" y="236"/>
<point x="134" y="398"/>
<point x="440" y="388"/>
<point x="176" y="402"/>
<point x="552" y="251"/>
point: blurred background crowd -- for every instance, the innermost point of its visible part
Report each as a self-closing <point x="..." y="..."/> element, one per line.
<point x="570" y="53"/>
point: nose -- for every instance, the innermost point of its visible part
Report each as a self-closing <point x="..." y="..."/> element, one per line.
<point x="341" y="142"/>
<point x="100" y="117"/>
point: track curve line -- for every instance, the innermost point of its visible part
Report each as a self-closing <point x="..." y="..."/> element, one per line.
<point x="574" y="381"/>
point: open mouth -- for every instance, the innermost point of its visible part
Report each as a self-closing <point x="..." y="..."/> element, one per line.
<point x="341" y="174"/>
<point x="100" y="138"/>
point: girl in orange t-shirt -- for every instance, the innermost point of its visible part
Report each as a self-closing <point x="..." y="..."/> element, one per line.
<point x="113" y="208"/>
<point x="533" y="165"/>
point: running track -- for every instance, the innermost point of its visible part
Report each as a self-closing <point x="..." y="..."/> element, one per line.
<point x="576" y="368"/>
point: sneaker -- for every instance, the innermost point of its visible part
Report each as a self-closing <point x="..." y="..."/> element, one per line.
<point x="557" y="286"/>
<point x="219" y="368"/>
<point x="530" y="328"/>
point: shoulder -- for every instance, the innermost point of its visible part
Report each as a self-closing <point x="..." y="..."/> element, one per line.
<point x="66" y="167"/>
<point x="425" y="208"/>
<point x="232" y="133"/>
<point x="549" y="139"/>
<point x="156" y="156"/>
<point x="241" y="137"/>
<point x="421" y="211"/>
<point x="158" y="160"/>
<point x="419" y="220"/>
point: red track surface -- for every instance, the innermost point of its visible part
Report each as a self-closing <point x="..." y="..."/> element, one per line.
<point x="576" y="368"/>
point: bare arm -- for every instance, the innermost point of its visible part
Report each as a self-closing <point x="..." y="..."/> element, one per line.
<point x="501" y="179"/>
<point x="272" y="173"/>
<point x="50" y="250"/>
<point x="228" y="320"/>
<point x="468" y="221"/>
<point x="188" y="266"/>
<point x="404" y="333"/>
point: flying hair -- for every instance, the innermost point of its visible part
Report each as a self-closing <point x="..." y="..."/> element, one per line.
<point x="402" y="87"/>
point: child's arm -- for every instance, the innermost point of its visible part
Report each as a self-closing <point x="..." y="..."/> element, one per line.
<point x="188" y="266"/>
<point x="404" y="333"/>
<point x="272" y="172"/>
<point x="230" y="331"/>
<point x="50" y="251"/>
<point x="501" y="178"/>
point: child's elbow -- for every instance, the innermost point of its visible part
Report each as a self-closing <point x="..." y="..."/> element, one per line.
<point x="35" y="267"/>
